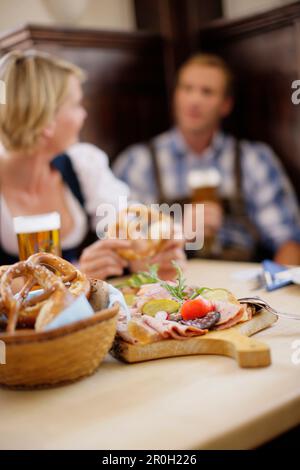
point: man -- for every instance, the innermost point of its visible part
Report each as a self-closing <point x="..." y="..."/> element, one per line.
<point x="257" y="214"/>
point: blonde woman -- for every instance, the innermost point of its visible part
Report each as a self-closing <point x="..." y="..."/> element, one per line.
<point x="44" y="168"/>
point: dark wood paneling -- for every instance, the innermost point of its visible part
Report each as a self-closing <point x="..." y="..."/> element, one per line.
<point x="125" y="90"/>
<point x="263" y="50"/>
<point x="177" y="21"/>
<point x="223" y="30"/>
<point x="189" y="15"/>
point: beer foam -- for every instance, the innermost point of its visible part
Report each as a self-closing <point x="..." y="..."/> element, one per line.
<point x="37" y="223"/>
<point x="208" y="177"/>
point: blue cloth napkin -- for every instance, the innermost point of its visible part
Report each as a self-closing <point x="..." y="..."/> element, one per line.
<point x="270" y="269"/>
<point x="78" y="310"/>
<point x="81" y="308"/>
<point x="116" y="296"/>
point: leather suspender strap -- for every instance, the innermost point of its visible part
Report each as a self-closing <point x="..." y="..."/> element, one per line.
<point x="157" y="175"/>
<point x="238" y="199"/>
<point x="238" y="166"/>
<point x="161" y="196"/>
<point x="239" y="204"/>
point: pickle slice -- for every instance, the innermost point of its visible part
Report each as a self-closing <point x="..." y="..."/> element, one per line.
<point x="129" y="299"/>
<point x="157" y="305"/>
<point x="218" y="294"/>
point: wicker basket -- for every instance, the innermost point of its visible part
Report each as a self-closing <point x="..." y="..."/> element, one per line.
<point x="62" y="355"/>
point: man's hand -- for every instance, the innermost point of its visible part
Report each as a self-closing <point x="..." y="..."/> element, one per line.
<point x="288" y="253"/>
<point x="213" y="219"/>
<point x="101" y="260"/>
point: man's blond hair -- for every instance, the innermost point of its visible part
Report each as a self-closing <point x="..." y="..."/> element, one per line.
<point x="210" y="60"/>
<point x="36" y="85"/>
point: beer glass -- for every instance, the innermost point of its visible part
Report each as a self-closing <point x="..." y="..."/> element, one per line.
<point x="38" y="233"/>
<point x="204" y="185"/>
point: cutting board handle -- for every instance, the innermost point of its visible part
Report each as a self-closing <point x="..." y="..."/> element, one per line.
<point x="248" y="352"/>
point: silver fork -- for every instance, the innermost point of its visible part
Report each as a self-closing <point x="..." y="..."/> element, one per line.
<point x="260" y="303"/>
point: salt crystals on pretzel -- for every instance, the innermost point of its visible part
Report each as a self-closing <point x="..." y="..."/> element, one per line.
<point x="78" y="282"/>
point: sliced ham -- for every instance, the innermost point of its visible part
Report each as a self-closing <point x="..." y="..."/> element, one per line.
<point x="155" y="291"/>
<point x="146" y="329"/>
<point x="137" y="331"/>
<point x="122" y="328"/>
<point x="122" y="331"/>
<point x="161" y="315"/>
<point x="227" y="310"/>
<point x="171" y="329"/>
<point x="244" y="314"/>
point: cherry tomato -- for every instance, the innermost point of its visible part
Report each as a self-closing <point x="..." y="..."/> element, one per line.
<point x="196" y="308"/>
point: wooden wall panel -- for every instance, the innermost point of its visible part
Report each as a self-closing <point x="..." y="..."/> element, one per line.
<point x="125" y="91"/>
<point x="177" y="22"/>
<point x="263" y="50"/>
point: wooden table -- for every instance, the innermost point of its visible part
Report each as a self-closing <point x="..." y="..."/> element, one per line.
<point x="198" y="402"/>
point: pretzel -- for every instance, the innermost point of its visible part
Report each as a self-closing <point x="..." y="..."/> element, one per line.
<point x="138" y="223"/>
<point x="79" y="284"/>
<point x="26" y="317"/>
<point x="56" y="296"/>
<point x="31" y="308"/>
<point x="3" y="269"/>
<point x="2" y="317"/>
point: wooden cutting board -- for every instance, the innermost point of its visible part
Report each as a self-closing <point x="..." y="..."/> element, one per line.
<point x="233" y="342"/>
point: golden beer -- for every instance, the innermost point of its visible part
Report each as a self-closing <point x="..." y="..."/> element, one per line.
<point x="38" y="233"/>
<point x="204" y="187"/>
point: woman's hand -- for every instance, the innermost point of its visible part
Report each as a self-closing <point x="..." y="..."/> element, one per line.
<point x="172" y="251"/>
<point x="101" y="260"/>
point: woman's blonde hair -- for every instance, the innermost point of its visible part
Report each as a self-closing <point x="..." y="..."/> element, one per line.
<point x="36" y="85"/>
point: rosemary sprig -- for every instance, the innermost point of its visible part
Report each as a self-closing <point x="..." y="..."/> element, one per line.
<point x="177" y="290"/>
<point x="198" y="292"/>
<point x="141" y="278"/>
